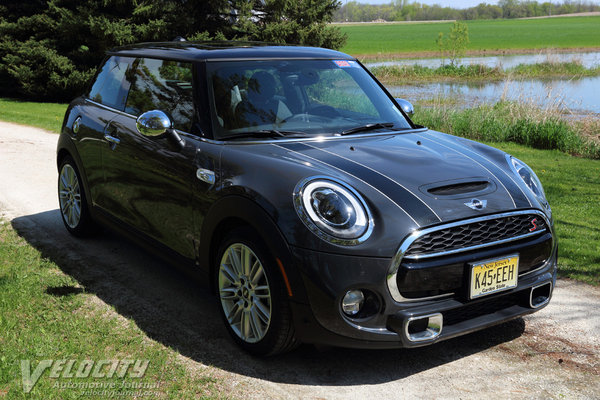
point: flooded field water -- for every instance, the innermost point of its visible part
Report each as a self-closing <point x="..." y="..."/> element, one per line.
<point x="576" y="95"/>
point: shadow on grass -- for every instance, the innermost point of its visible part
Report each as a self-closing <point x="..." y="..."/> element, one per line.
<point x="182" y="314"/>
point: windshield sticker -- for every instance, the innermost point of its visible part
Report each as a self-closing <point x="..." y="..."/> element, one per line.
<point x="346" y="63"/>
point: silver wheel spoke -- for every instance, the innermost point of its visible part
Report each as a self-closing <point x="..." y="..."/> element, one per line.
<point x="262" y="311"/>
<point x="256" y="273"/>
<point x="255" y="324"/>
<point x="234" y="314"/>
<point x="245" y="253"/>
<point x="234" y="259"/>
<point x="245" y="293"/>
<point x="228" y="273"/>
<point x="229" y="294"/>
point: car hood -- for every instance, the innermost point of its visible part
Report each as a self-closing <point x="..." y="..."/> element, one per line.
<point x="405" y="169"/>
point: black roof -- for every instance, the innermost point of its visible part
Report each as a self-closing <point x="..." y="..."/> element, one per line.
<point x="217" y="50"/>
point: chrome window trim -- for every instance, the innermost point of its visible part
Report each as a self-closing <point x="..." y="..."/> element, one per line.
<point x="406" y="243"/>
<point x="115" y="110"/>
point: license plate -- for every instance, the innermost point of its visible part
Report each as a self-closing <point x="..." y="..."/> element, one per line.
<point x="493" y="276"/>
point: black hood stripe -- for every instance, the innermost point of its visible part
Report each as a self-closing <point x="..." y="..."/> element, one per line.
<point x="347" y="173"/>
<point x="515" y="191"/>
<point x="413" y="206"/>
<point x="378" y="172"/>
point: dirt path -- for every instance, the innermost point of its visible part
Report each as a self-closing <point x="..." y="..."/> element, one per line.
<point x="552" y="354"/>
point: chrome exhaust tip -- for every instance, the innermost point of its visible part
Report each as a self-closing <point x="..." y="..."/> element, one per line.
<point x="540" y="295"/>
<point x="423" y="328"/>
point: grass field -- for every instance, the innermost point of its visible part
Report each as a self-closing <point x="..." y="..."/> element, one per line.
<point x="411" y="74"/>
<point x="487" y="35"/>
<point x="572" y="186"/>
<point x="46" y="315"/>
<point x="47" y="116"/>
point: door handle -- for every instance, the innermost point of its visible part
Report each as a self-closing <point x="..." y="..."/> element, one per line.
<point x="112" y="139"/>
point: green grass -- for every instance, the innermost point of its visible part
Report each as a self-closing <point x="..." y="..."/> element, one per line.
<point x="410" y="74"/>
<point x="516" y="123"/>
<point x="487" y="35"/>
<point x="47" y="116"/>
<point x="572" y="186"/>
<point x="45" y="314"/>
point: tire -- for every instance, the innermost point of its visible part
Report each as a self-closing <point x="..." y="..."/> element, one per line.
<point x="253" y="302"/>
<point x="72" y="200"/>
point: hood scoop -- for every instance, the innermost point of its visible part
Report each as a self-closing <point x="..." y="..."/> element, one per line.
<point x="459" y="188"/>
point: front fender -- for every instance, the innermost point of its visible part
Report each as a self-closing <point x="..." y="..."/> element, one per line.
<point x="232" y="210"/>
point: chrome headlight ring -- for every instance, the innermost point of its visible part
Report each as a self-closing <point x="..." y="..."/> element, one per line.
<point x="333" y="211"/>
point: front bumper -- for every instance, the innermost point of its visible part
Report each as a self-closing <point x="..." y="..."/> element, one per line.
<point x="327" y="277"/>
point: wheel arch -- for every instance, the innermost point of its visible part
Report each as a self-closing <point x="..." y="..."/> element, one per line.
<point x="66" y="148"/>
<point x="234" y="211"/>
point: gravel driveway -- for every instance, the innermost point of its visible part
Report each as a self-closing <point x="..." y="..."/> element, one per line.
<point x="554" y="353"/>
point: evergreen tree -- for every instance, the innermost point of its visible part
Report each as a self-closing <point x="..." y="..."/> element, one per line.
<point x="50" y="49"/>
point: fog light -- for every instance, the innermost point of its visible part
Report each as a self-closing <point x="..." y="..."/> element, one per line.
<point x="352" y="302"/>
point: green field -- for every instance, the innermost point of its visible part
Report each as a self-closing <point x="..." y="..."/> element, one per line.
<point x="572" y="186"/>
<point x="488" y="35"/>
<point x="47" y="116"/>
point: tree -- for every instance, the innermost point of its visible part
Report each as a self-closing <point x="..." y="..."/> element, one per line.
<point x="455" y="44"/>
<point x="49" y="49"/>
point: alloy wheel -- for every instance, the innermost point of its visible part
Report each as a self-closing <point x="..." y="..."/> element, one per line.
<point x="70" y="196"/>
<point x="245" y="293"/>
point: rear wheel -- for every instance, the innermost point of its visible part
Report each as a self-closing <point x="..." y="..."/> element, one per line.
<point x="72" y="201"/>
<point x="254" y="305"/>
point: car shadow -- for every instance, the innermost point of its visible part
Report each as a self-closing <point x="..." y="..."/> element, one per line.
<point x="181" y="313"/>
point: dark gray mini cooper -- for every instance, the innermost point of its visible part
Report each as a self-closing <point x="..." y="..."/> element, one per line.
<point x="292" y="181"/>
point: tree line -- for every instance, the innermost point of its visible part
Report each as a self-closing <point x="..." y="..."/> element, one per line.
<point x="49" y="49"/>
<point x="403" y="10"/>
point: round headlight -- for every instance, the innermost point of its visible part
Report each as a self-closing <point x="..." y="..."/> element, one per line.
<point x="333" y="211"/>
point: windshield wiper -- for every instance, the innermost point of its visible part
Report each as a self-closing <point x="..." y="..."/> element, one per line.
<point x="264" y="133"/>
<point x="367" y="127"/>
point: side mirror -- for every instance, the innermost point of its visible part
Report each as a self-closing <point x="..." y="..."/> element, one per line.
<point x="153" y="123"/>
<point x="156" y="123"/>
<point x="406" y="106"/>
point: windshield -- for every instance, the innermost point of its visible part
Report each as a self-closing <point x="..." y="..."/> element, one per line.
<point x="277" y="98"/>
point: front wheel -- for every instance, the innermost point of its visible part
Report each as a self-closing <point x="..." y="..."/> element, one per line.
<point x="254" y="305"/>
<point x="72" y="201"/>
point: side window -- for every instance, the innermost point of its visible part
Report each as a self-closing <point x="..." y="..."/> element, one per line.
<point x="162" y="85"/>
<point x="110" y="87"/>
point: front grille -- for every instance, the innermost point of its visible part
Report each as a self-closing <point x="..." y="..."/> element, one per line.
<point x="475" y="234"/>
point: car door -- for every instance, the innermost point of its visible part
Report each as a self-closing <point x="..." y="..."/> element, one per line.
<point x="106" y="98"/>
<point x="149" y="181"/>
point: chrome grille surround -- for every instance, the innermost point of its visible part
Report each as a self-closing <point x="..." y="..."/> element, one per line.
<point x="417" y="234"/>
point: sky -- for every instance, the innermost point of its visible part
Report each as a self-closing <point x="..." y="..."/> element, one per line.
<point x="443" y="3"/>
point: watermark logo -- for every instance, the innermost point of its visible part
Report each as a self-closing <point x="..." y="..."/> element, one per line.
<point x="69" y="369"/>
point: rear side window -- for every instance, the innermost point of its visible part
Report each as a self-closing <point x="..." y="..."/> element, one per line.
<point x="111" y="87"/>
<point x="162" y="85"/>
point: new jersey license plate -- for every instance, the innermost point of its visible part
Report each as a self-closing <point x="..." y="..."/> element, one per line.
<point x="493" y="276"/>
